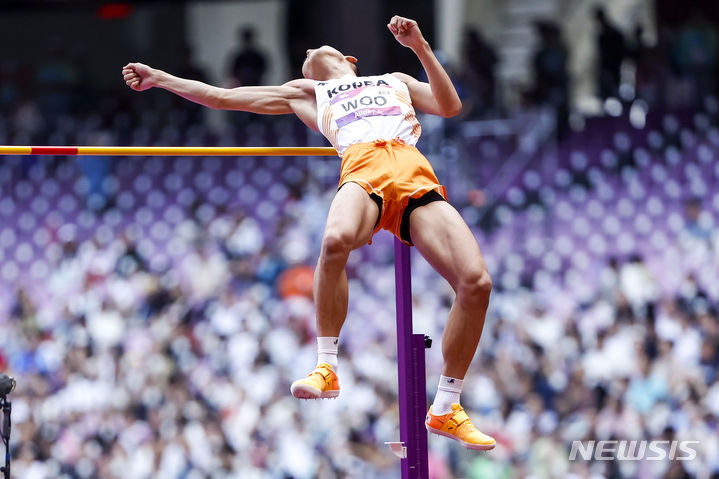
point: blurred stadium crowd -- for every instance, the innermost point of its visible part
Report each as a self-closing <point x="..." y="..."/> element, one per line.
<point x="155" y="335"/>
<point x="156" y="310"/>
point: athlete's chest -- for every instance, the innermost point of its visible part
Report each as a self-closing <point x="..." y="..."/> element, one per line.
<point x="346" y="94"/>
<point x="347" y="100"/>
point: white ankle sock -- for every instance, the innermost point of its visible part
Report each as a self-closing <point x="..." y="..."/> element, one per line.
<point x="448" y="393"/>
<point x="327" y="351"/>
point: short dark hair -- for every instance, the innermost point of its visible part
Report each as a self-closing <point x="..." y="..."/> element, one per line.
<point x="357" y="72"/>
<point x="248" y="33"/>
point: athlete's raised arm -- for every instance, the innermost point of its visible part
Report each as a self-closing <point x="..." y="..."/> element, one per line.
<point x="438" y="96"/>
<point x="296" y="96"/>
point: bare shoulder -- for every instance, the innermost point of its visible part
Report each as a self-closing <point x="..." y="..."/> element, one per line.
<point x="303" y="101"/>
<point x="404" y="77"/>
<point x="302" y="86"/>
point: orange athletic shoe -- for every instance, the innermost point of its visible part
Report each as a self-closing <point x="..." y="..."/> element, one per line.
<point x="322" y="383"/>
<point x="456" y="425"/>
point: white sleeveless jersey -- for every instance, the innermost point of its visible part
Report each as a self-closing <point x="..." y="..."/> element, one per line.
<point x="363" y="109"/>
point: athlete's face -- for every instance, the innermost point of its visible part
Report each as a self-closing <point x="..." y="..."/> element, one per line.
<point x="319" y="62"/>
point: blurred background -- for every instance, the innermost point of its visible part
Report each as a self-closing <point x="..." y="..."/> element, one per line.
<point x="155" y="310"/>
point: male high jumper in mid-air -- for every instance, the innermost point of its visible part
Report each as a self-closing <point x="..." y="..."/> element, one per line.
<point x="385" y="183"/>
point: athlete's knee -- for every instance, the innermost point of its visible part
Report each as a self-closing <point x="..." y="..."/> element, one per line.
<point x="336" y="245"/>
<point x="474" y="288"/>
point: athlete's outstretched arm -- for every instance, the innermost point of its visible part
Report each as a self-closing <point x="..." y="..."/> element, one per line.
<point x="439" y="96"/>
<point x="295" y="96"/>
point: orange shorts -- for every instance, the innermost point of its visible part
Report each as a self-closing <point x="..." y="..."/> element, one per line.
<point x="397" y="176"/>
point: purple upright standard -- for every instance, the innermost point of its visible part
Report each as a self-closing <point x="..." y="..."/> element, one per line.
<point x="410" y="366"/>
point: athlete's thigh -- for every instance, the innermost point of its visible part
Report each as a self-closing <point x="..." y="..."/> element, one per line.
<point x="352" y="213"/>
<point x="440" y="234"/>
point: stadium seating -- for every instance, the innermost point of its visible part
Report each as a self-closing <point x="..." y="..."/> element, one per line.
<point x="143" y="317"/>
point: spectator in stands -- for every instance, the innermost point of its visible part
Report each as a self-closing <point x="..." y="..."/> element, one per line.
<point x="189" y="68"/>
<point x="696" y="51"/>
<point x="477" y="76"/>
<point x="247" y="68"/>
<point x="612" y="51"/>
<point x="651" y="64"/>
<point x="192" y="113"/>
<point x="693" y="224"/>
<point x="637" y="284"/>
<point x="56" y="79"/>
<point x="551" y="82"/>
<point x="249" y="64"/>
<point x="13" y="79"/>
<point x="638" y="51"/>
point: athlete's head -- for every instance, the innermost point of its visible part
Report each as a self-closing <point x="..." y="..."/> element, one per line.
<point x="326" y="62"/>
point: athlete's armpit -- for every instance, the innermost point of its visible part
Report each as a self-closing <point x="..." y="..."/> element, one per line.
<point x="422" y="97"/>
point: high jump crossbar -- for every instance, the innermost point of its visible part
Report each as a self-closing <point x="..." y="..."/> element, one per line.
<point x="412" y="447"/>
<point x="167" y="151"/>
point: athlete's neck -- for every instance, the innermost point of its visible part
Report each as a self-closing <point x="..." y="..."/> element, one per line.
<point x="339" y="72"/>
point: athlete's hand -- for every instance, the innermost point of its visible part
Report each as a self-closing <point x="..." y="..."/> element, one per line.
<point x="405" y="31"/>
<point x="139" y="77"/>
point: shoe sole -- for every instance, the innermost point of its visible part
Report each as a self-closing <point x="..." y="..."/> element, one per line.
<point x="468" y="445"/>
<point x="302" y="391"/>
